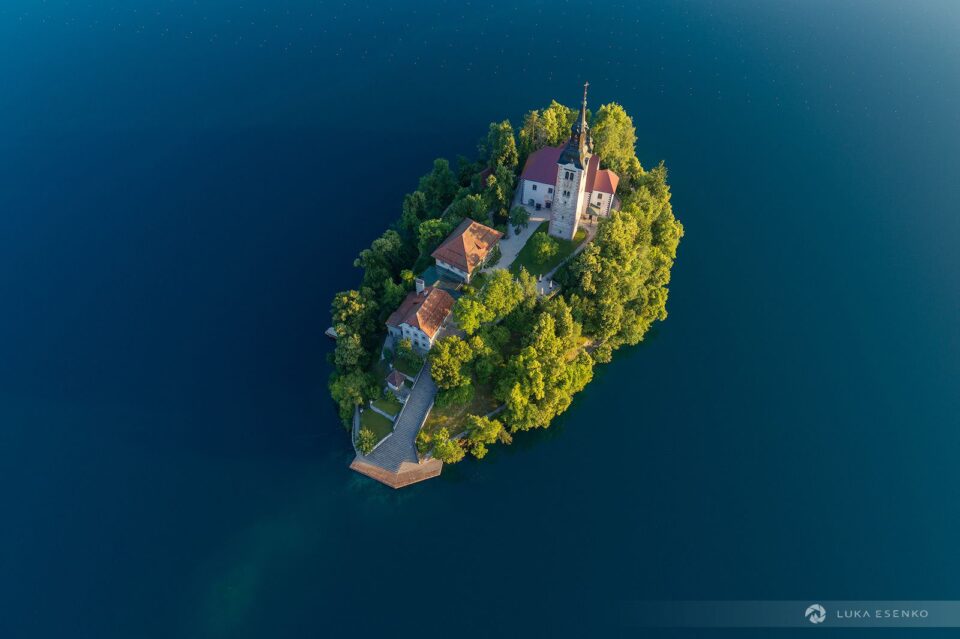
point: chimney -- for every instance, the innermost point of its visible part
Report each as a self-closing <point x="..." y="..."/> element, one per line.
<point x="420" y="284"/>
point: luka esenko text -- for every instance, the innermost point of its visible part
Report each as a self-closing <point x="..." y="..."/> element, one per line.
<point x="484" y="308"/>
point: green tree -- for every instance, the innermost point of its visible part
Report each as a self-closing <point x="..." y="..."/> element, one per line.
<point x="614" y="138"/>
<point x="466" y="170"/>
<point x="355" y="320"/>
<point x="557" y="120"/>
<point x="545" y="248"/>
<point x="567" y="328"/>
<point x="500" y="146"/>
<point x="430" y="234"/>
<point x="384" y="260"/>
<point x="391" y="297"/>
<point x="350" y="353"/>
<point x="350" y="390"/>
<point x="487" y="358"/>
<point x="456" y="396"/>
<point x="519" y="218"/>
<point x="406" y="357"/>
<point x="499" y="192"/>
<point x="539" y="381"/>
<point x="502" y="294"/>
<point x="413" y="212"/>
<point x="534" y="134"/>
<point x="470" y="314"/>
<point x="482" y="431"/>
<point x="355" y="311"/>
<point x="438" y="187"/>
<point x="472" y="206"/>
<point x="447" y="450"/>
<point x="448" y="359"/>
<point x="366" y="440"/>
<point x="423" y="441"/>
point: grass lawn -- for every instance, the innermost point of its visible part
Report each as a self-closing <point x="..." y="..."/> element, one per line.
<point x="380" y="425"/>
<point x="390" y="405"/>
<point x="453" y="417"/>
<point x="406" y="370"/>
<point x="525" y="257"/>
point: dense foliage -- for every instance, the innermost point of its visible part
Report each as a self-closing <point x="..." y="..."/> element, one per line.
<point x="532" y="353"/>
<point x="366" y="440"/>
<point x="444" y="197"/>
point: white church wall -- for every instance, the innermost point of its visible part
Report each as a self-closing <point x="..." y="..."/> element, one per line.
<point x="602" y="200"/>
<point x="536" y="193"/>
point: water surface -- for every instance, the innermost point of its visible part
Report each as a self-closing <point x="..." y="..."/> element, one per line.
<point x="183" y="187"/>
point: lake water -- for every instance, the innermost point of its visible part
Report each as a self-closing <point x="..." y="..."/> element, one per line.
<point x="183" y="187"/>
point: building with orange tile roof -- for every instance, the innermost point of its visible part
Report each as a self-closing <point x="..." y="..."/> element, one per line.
<point x="421" y="316"/>
<point x="467" y="248"/>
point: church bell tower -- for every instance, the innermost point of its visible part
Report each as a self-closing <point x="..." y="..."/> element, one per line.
<point x="569" y="192"/>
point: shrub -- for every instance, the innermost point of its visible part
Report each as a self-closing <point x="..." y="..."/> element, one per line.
<point x="544" y="248"/>
<point x="407" y="357"/>
<point x="519" y="218"/>
<point x="366" y="440"/>
<point x="447" y="450"/>
<point x="423" y="442"/>
<point x="456" y="395"/>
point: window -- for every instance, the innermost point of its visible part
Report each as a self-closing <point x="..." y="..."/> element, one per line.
<point x="550" y="190"/>
<point x="534" y="187"/>
<point x="566" y="194"/>
<point x="599" y="196"/>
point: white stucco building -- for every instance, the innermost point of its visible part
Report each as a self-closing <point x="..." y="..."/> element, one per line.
<point x="421" y="316"/>
<point x="568" y="180"/>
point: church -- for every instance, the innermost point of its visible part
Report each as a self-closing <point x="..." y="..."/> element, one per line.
<point x="568" y="181"/>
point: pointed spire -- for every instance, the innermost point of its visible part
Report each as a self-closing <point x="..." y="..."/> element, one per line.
<point x="583" y="108"/>
<point x="579" y="146"/>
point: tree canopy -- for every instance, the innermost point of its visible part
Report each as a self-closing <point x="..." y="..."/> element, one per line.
<point x="544" y="247"/>
<point x="438" y="187"/>
<point x="519" y="218"/>
<point x="448" y="359"/>
<point x="614" y="138"/>
<point x="501" y="147"/>
<point x="529" y="353"/>
<point x="447" y="450"/>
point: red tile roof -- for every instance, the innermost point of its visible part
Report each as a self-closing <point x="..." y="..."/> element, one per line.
<point x="395" y="378"/>
<point x="606" y="181"/>
<point x="468" y="245"/>
<point x="426" y="310"/>
<point x="541" y="166"/>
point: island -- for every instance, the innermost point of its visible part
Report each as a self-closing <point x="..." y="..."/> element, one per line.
<point x="484" y="308"/>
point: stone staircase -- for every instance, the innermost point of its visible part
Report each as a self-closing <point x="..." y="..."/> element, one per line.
<point x="401" y="445"/>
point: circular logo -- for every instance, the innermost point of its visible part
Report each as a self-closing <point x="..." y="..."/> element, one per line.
<point x="815" y="614"/>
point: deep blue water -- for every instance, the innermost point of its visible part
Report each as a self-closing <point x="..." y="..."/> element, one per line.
<point x="183" y="187"/>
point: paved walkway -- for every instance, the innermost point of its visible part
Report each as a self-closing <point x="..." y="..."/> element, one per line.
<point x="401" y="446"/>
<point x="510" y="246"/>
<point x="545" y="283"/>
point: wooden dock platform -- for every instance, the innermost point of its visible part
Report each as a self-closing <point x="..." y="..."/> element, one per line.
<point x="408" y="473"/>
